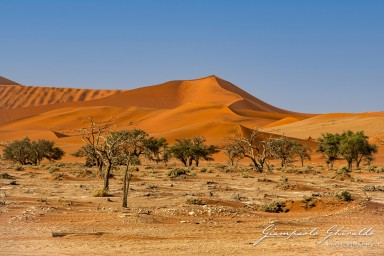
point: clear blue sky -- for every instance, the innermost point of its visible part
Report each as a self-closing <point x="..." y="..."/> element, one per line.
<point x="309" y="56"/>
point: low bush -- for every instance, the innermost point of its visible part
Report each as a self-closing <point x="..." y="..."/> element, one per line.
<point x="264" y="180"/>
<point x="197" y="201"/>
<point x="177" y="172"/>
<point x="100" y="192"/>
<point x="344" y="196"/>
<point x="19" y="168"/>
<point x="308" y="202"/>
<point x="373" y="188"/>
<point x="275" y="207"/>
<point x="5" y="175"/>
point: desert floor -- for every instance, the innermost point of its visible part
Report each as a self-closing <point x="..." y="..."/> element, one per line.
<point x="51" y="210"/>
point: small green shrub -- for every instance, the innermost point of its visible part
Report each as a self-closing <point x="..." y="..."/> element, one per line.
<point x="177" y="172"/>
<point x="357" y="179"/>
<point x="373" y="188"/>
<point x="375" y="169"/>
<point x="238" y="197"/>
<point x="308" y="202"/>
<point x="203" y="169"/>
<point x="283" y="179"/>
<point x="275" y="207"/>
<point x="197" y="201"/>
<point x="19" y="168"/>
<point x="152" y="186"/>
<point x="42" y="200"/>
<point x="342" y="174"/>
<point x="264" y="180"/>
<point x="100" y="192"/>
<point x="224" y="168"/>
<point x="59" y="176"/>
<point x="344" y="196"/>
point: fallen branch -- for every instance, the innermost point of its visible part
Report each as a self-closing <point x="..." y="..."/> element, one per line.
<point x="61" y="234"/>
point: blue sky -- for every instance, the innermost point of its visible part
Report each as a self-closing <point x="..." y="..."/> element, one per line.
<point x="308" y="56"/>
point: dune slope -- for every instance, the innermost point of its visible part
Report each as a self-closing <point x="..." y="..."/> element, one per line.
<point x="210" y="106"/>
<point x="6" y="81"/>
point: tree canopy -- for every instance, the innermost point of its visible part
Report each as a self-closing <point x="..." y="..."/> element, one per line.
<point x="189" y="150"/>
<point x="349" y="146"/>
<point x="26" y="151"/>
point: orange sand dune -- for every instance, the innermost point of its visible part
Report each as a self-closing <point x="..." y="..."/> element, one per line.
<point x="265" y="135"/>
<point x="371" y="123"/>
<point x="210" y="107"/>
<point x="283" y="121"/>
<point x="170" y="95"/>
<point x="18" y="96"/>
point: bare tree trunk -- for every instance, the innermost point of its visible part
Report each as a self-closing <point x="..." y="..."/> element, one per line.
<point x="126" y="183"/>
<point x="106" y="177"/>
<point x="190" y="161"/>
<point x="100" y="170"/>
<point x="350" y="166"/>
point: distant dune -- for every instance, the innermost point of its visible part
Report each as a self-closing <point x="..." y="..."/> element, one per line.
<point x="18" y="96"/>
<point x="371" y="123"/>
<point x="5" y="81"/>
<point x="210" y="106"/>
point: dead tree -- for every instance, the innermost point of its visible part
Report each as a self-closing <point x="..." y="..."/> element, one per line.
<point x="101" y="146"/>
<point x="252" y="147"/>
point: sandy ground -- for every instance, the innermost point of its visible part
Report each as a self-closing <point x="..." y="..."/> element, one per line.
<point x="51" y="210"/>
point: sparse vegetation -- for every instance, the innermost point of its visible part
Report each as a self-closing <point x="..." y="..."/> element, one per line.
<point x="284" y="185"/>
<point x="238" y="197"/>
<point x="253" y="147"/>
<point x="350" y="146"/>
<point x="177" y="172"/>
<point x="308" y="202"/>
<point x="28" y="151"/>
<point x="344" y="196"/>
<point x="283" y="149"/>
<point x="264" y="179"/>
<point x="5" y="175"/>
<point x="197" y="201"/>
<point x="192" y="150"/>
<point x="275" y="207"/>
<point x="19" y="168"/>
<point x="373" y="188"/>
<point x="42" y="200"/>
<point x="100" y="192"/>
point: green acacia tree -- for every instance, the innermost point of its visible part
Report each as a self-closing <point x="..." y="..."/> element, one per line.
<point x="349" y="146"/>
<point x="26" y="151"/>
<point x="329" y="145"/>
<point x="44" y="149"/>
<point x="18" y="151"/>
<point x="284" y="149"/>
<point x="189" y="150"/>
<point x="303" y="152"/>
<point x="157" y="150"/>
<point x="354" y="147"/>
